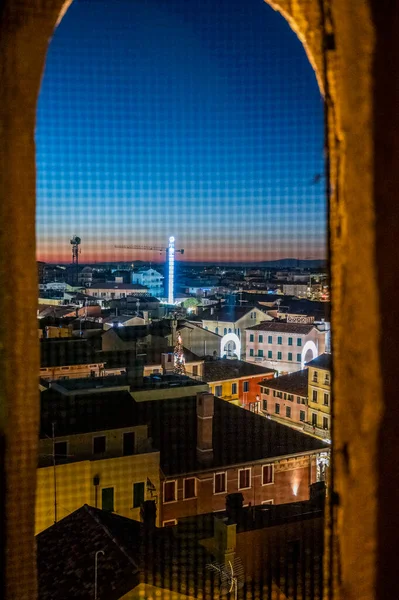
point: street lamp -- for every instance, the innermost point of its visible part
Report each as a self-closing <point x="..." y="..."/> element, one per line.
<point x="95" y="571"/>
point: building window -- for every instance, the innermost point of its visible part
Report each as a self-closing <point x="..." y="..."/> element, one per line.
<point x="298" y="400"/>
<point x="138" y="494"/>
<point x="269" y="354"/>
<point x="219" y="483"/>
<point x="216" y="329"/>
<point x="289" y="355"/>
<point x="189" y="488"/>
<point x="107" y="499"/>
<point x="279" y="340"/>
<point x="267" y="391"/>
<point x="267" y="474"/>
<point x="301" y="415"/>
<point x="233" y="389"/>
<point x="264" y="404"/>
<point x="245" y="386"/>
<point x="99" y="444"/>
<point x="170" y="491"/>
<point x="298" y="358"/>
<point x="251" y="352"/>
<point x="244" y="479"/>
<point x="195" y="369"/>
<point x="270" y="339"/>
<point x="290" y="341"/>
<point x="218" y="390"/>
<point x="261" y="339"/>
<point x="260" y="353"/>
<point x="315" y="377"/>
<point x="325" y="422"/>
<point x="299" y="342"/>
<point x="314" y="420"/>
<point x="277" y="409"/>
<point x="169" y="523"/>
<point x="129" y="443"/>
<point x="251" y="337"/>
<point x="279" y="355"/>
<point x="314" y="395"/>
<point x="327" y="379"/>
<point x="60" y="451"/>
<point x="290" y="397"/>
<point x="325" y="399"/>
<point x="288" y="412"/>
<point x="225" y="330"/>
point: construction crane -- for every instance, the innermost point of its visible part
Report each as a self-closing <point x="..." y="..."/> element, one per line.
<point x="170" y="252"/>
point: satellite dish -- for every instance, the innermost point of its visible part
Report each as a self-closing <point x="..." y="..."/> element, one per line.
<point x="231" y="576"/>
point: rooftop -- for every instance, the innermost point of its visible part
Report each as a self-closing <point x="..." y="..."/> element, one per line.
<point x="239" y="436"/>
<point x="224" y="368"/>
<point x="117" y="286"/>
<point x="293" y="383"/>
<point x="227" y="314"/>
<point x="279" y="327"/>
<point x="323" y="361"/>
<point x="66" y="351"/>
<point x="65" y="556"/>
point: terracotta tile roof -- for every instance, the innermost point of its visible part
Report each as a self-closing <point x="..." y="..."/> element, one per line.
<point x="293" y="383"/>
<point x="223" y="368"/>
<point x="324" y="361"/>
<point x="282" y="327"/>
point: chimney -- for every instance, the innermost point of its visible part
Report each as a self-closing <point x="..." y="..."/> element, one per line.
<point x="205" y="411"/>
<point x="148" y="514"/>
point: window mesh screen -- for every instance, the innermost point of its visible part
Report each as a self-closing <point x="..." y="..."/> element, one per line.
<point x="183" y="304"/>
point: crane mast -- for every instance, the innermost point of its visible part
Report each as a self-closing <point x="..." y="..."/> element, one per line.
<point x="170" y="255"/>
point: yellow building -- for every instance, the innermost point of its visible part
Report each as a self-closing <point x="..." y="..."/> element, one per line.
<point x="93" y="450"/>
<point x="319" y="395"/>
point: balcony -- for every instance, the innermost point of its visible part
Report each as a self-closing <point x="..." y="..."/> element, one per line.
<point x="325" y="434"/>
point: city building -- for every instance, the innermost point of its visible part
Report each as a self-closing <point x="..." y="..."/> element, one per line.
<point x="236" y="381"/>
<point x="282" y="346"/>
<point x="115" y="290"/>
<point x="285" y="398"/>
<point x="68" y="359"/>
<point x="211" y="448"/>
<point x="93" y="452"/>
<point x="300" y="290"/>
<point x="319" y="396"/>
<point x="151" y="279"/>
<point x="224" y="320"/>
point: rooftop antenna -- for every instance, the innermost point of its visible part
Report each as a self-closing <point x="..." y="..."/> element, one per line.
<point x="75" y="243"/>
<point x="231" y="576"/>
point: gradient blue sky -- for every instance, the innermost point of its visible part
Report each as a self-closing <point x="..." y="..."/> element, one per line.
<point x="198" y="118"/>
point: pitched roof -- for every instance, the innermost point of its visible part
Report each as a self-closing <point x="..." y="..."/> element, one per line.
<point x="323" y="361"/>
<point x="116" y="286"/>
<point x="224" y="368"/>
<point x="239" y="436"/>
<point x="65" y="351"/>
<point x="293" y="383"/>
<point x="282" y="327"/>
<point x="67" y="549"/>
<point x="227" y="314"/>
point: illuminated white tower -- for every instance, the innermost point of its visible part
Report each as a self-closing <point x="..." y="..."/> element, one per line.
<point x="171" y="279"/>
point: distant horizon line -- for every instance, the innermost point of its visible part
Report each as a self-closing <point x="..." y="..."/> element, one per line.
<point x="193" y="262"/>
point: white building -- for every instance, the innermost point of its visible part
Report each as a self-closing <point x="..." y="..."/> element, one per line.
<point x="285" y="347"/>
<point x="152" y="280"/>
